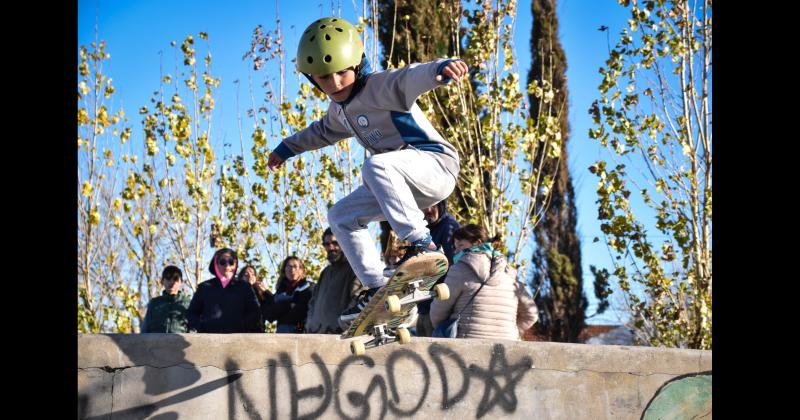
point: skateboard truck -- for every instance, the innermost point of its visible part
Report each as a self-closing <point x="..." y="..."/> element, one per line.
<point x="380" y="336"/>
<point x="387" y="316"/>
<point x="394" y="303"/>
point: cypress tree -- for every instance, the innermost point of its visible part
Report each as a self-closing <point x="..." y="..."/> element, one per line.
<point x="557" y="259"/>
<point x="415" y="30"/>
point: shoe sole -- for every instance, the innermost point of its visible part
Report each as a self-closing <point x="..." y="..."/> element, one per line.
<point x="389" y="274"/>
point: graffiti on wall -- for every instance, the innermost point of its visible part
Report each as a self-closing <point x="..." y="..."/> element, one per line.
<point x="682" y="397"/>
<point x="498" y="383"/>
<point x="346" y="391"/>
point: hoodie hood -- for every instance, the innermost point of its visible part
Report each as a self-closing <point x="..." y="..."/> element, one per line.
<point x="442" y="206"/>
<point x="493" y="274"/>
<point x="214" y="270"/>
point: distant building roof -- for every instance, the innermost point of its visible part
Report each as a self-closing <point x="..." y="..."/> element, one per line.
<point x="591" y="334"/>
<point x="590" y="331"/>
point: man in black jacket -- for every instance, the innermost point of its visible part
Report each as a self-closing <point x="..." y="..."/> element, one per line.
<point x="224" y="304"/>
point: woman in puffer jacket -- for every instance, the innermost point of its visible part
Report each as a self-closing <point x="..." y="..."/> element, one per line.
<point x="503" y="309"/>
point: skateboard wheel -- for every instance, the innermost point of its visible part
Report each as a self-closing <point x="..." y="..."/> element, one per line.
<point x="403" y="336"/>
<point x="357" y="348"/>
<point x="442" y="291"/>
<point x="392" y="304"/>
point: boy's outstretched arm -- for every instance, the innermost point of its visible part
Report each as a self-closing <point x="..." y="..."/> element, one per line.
<point x="324" y="132"/>
<point x="454" y="70"/>
<point x="274" y="162"/>
<point x="398" y="89"/>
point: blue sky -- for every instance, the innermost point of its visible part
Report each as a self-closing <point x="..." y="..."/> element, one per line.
<point x="137" y="31"/>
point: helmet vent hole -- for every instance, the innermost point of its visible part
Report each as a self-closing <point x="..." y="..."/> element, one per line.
<point x="312" y="38"/>
<point x="327" y="37"/>
<point x="322" y="27"/>
<point x="334" y="20"/>
<point x="310" y="59"/>
<point x="328" y="58"/>
<point x="339" y="29"/>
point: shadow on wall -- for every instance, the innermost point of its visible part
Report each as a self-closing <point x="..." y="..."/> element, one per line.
<point x="166" y="416"/>
<point x="143" y="411"/>
<point x="158" y="351"/>
<point x="153" y="352"/>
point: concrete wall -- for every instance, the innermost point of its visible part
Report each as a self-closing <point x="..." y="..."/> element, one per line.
<point x="269" y="376"/>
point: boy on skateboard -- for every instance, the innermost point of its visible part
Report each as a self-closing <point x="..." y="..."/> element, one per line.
<point x="411" y="165"/>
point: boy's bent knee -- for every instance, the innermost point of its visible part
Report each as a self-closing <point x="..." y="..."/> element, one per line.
<point x="372" y="166"/>
<point x="340" y="218"/>
<point x="336" y="215"/>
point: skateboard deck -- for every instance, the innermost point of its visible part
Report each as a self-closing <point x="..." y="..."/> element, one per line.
<point x="411" y="283"/>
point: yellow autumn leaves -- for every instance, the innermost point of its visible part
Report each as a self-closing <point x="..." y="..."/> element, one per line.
<point x="87" y="189"/>
<point x="102" y="120"/>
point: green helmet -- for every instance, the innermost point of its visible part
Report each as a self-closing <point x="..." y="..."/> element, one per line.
<point x="327" y="46"/>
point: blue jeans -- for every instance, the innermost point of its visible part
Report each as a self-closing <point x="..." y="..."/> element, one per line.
<point x="286" y="329"/>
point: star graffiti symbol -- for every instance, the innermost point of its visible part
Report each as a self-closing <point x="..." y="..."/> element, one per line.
<point x="493" y="393"/>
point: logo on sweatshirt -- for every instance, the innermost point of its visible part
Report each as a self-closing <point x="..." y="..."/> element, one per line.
<point x="362" y="121"/>
<point x="373" y="136"/>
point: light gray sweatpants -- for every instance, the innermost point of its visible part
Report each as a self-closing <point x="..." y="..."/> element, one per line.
<point x="396" y="185"/>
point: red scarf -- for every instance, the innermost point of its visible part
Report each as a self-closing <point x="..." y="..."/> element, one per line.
<point x="291" y="286"/>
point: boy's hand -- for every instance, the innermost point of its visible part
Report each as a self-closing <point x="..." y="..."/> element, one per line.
<point x="454" y="70"/>
<point x="275" y="162"/>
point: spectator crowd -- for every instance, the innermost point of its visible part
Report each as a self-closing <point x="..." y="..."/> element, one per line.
<point x="484" y="291"/>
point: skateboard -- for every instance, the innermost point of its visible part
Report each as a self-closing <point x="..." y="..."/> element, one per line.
<point x="382" y="319"/>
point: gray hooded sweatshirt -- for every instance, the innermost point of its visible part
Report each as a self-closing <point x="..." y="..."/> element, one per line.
<point x="383" y="116"/>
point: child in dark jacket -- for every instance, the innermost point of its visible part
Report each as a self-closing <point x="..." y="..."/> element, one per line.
<point x="224" y="304"/>
<point x="290" y="305"/>
<point x="167" y="313"/>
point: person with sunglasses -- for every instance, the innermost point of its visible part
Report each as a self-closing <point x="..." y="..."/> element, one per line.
<point x="225" y="303"/>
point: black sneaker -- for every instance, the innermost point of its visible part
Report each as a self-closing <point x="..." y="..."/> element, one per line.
<point x="411" y="251"/>
<point x="360" y="303"/>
